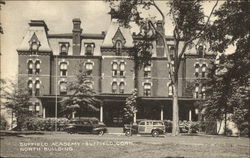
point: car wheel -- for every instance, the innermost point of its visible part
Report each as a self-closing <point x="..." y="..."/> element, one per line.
<point x="155" y="133"/>
<point x="100" y="133"/>
<point x="128" y="133"/>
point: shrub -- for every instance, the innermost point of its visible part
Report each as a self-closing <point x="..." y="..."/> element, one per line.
<point x="46" y="124"/>
<point x="3" y="123"/>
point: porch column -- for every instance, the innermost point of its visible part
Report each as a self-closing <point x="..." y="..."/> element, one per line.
<point x="44" y="112"/>
<point x="101" y="113"/>
<point x="73" y="114"/>
<point x="190" y="115"/>
<point x="134" y="119"/>
<point x="161" y="112"/>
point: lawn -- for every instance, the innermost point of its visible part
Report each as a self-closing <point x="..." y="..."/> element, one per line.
<point x="64" y="145"/>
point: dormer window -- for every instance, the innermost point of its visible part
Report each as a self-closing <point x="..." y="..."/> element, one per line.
<point x="64" y="47"/>
<point x="201" y="51"/>
<point x="89" y="49"/>
<point x="118" y="46"/>
<point x="34" y="44"/>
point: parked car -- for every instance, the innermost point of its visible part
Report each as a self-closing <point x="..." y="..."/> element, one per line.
<point x="153" y="127"/>
<point x="86" y="125"/>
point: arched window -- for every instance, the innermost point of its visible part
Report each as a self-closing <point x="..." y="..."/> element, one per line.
<point x="203" y="70"/>
<point x="147" y="89"/>
<point x="121" y="87"/>
<point x="37" y="66"/>
<point x="64" y="50"/>
<point x="30" y="87"/>
<point x="201" y="51"/>
<point x="34" y="47"/>
<point x="89" y="50"/>
<point x="114" y="68"/>
<point x="89" y="68"/>
<point x="196" y="93"/>
<point x="203" y="92"/>
<point x="63" y="69"/>
<point x="118" y="46"/>
<point x="30" y="67"/>
<point x="122" y="68"/>
<point x="147" y="71"/>
<point x="197" y="67"/>
<point x="170" y="89"/>
<point x="37" y="88"/>
<point x="63" y="88"/>
<point x="114" y="87"/>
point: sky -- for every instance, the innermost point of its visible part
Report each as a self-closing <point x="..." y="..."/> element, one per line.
<point x="58" y="15"/>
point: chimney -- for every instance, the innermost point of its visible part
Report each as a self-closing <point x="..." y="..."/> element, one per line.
<point x="77" y="31"/>
<point x="159" y="41"/>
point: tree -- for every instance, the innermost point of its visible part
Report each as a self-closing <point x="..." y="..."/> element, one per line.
<point x="130" y="107"/>
<point x="81" y="95"/>
<point x="17" y="98"/>
<point x="231" y="27"/>
<point x="189" y="25"/>
<point x="2" y="2"/>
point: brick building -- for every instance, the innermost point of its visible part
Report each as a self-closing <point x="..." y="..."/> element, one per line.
<point x="47" y="62"/>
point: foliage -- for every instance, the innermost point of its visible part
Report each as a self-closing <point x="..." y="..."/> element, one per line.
<point x="81" y="95"/>
<point x="3" y="123"/>
<point x="130" y="107"/>
<point x="45" y="124"/>
<point x="189" y="25"/>
<point x="17" y="98"/>
<point x="230" y="92"/>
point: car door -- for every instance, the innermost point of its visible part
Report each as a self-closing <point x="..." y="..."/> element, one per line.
<point x="142" y="127"/>
<point x="149" y="127"/>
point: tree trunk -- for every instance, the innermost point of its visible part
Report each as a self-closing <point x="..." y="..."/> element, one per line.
<point x="175" y="130"/>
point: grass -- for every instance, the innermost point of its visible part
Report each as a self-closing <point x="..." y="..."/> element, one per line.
<point x="92" y="146"/>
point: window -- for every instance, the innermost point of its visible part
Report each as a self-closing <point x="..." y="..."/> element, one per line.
<point x="63" y="88"/>
<point x="37" y="106"/>
<point x="147" y="89"/>
<point x="114" y="68"/>
<point x="30" y="87"/>
<point x="122" y="68"/>
<point x="170" y="90"/>
<point x="201" y="51"/>
<point x="197" y="66"/>
<point x="64" y="50"/>
<point x="114" y="87"/>
<point x="147" y="71"/>
<point x="171" y="53"/>
<point x="34" y="47"/>
<point x="203" y="92"/>
<point x="63" y="69"/>
<point x="121" y="87"/>
<point x="37" y="88"/>
<point x="88" y="50"/>
<point x="89" y="68"/>
<point x="203" y="70"/>
<point x="37" y="66"/>
<point x="196" y="93"/>
<point x="30" y="67"/>
<point x="118" y="47"/>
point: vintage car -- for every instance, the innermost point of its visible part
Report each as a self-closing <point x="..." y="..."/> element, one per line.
<point x="86" y="125"/>
<point x="153" y="127"/>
